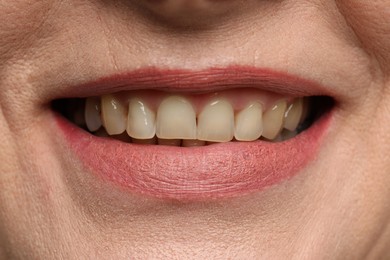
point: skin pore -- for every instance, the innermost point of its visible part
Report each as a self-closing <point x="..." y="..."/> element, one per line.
<point x="338" y="207"/>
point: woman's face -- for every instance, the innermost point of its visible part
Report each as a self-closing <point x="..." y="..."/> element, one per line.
<point x="187" y="69"/>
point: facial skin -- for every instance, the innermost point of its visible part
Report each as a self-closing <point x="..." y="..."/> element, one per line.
<point x="338" y="207"/>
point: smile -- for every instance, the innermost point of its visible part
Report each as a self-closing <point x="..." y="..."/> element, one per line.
<point x="195" y="135"/>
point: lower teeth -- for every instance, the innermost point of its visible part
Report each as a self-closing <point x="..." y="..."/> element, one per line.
<point x="282" y="136"/>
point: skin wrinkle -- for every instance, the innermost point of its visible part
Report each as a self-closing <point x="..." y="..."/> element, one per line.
<point x="355" y="37"/>
<point x="107" y="37"/>
<point x="284" y="222"/>
<point x="119" y="221"/>
<point x="380" y="248"/>
<point x="385" y="230"/>
<point x="370" y="26"/>
<point x="35" y="30"/>
<point x="5" y="147"/>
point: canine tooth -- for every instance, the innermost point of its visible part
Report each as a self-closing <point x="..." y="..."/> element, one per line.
<point x="113" y="114"/>
<point x="248" y="123"/>
<point x="141" y="123"/>
<point x="216" y="122"/>
<point x="293" y="115"/>
<point x="192" y="143"/>
<point x="273" y="120"/>
<point x="169" y="142"/>
<point x="92" y="114"/>
<point x="176" y="119"/>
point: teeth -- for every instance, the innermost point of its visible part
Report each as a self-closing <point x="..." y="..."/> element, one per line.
<point x="169" y="142"/>
<point x="192" y="143"/>
<point x="216" y="122"/>
<point x="176" y="119"/>
<point x="287" y="134"/>
<point x="92" y="114"/>
<point x="293" y="115"/>
<point x="176" y="122"/>
<point x="141" y="123"/>
<point x="113" y="114"/>
<point x="249" y="125"/>
<point x="273" y="120"/>
<point x="278" y="138"/>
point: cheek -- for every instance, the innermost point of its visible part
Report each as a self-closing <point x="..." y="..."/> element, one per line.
<point x="23" y="22"/>
<point x="370" y="21"/>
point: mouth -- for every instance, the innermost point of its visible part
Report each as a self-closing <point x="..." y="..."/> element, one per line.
<point x="200" y="135"/>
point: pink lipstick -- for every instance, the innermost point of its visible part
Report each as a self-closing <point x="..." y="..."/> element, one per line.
<point x="198" y="173"/>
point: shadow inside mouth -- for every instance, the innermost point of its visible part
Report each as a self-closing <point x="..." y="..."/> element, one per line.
<point x="73" y="110"/>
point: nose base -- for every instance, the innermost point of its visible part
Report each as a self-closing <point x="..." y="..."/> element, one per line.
<point x="190" y="12"/>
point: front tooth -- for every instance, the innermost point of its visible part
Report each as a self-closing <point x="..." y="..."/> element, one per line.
<point x="249" y="124"/>
<point x="176" y="119"/>
<point x="140" y="120"/>
<point x="273" y="120"/>
<point x="92" y="114"/>
<point x="293" y="115"/>
<point x="216" y="122"/>
<point x="113" y="114"/>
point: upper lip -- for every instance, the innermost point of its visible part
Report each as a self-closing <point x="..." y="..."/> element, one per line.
<point x="212" y="79"/>
<point x="197" y="173"/>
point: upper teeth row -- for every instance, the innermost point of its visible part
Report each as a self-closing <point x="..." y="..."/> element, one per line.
<point x="176" y="119"/>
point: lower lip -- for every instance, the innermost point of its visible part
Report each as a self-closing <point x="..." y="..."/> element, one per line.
<point x="194" y="174"/>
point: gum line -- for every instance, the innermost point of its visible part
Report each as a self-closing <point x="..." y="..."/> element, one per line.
<point x="238" y="98"/>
